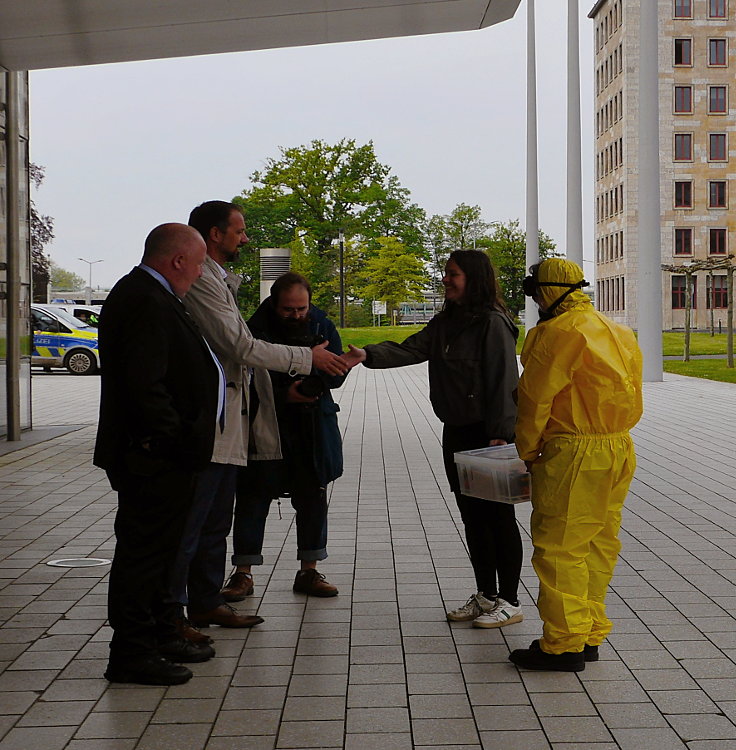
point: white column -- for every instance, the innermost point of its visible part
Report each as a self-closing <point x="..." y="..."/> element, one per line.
<point x="532" y="190"/>
<point x="649" y="293"/>
<point x="574" y="249"/>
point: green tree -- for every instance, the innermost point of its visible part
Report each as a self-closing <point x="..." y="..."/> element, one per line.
<point x="66" y="280"/>
<point x="322" y="189"/>
<point x="304" y="198"/>
<point x="42" y="232"/>
<point x="506" y="248"/>
<point x="461" y="229"/>
<point x="393" y="274"/>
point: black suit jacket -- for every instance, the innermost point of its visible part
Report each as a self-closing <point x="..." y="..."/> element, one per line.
<point x="158" y="405"/>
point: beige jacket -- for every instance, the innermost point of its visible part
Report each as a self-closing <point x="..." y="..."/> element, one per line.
<point x="211" y="302"/>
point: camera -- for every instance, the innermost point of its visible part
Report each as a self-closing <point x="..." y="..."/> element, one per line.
<point x="312" y="386"/>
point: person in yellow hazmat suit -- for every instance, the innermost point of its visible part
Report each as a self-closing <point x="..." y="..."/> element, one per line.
<point x="579" y="395"/>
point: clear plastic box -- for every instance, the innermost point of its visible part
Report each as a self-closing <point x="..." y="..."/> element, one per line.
<point x="496" y="473"/>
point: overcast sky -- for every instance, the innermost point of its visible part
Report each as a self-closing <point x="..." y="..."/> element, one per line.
<point x="132" y="145"/>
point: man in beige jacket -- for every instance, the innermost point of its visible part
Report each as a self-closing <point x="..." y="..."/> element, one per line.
<point x="250" y="429"/>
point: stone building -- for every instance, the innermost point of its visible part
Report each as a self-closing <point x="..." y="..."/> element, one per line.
<point x="697" y="59"/>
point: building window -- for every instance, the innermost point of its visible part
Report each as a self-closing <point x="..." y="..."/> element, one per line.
<point x="717" y="295"/>
<point x="683" y="241"/>
<point x="683" y="9"/>
<point x="683" y="146"/>
<point x="683" y="100"/>
<point x="717" y="242"/>
<point x="717" y="147"/>
<point x="717" y="194"/>
<point x="684" y="194"/>
<point x="684" y="51"/>
<point x="679" y="286"/>
<point x="717" y="8"/>
<point x="717" y="100"/>
<point x="717" y="52"/>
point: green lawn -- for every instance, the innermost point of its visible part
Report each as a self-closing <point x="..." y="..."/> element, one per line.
<point x="374" y="335"/>
<point x="711" y="369"/>
<point x="673" y="343"/>
<point x="700" y="343"/>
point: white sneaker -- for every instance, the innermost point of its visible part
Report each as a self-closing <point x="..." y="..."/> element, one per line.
<point x="502" y="614"/>
<point x="473" y="608"/>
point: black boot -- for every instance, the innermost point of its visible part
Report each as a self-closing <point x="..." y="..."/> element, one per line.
<point x="534" y="658"/>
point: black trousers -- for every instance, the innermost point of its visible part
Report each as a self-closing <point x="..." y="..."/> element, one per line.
<point x="491" y="531"/>
<point x="148" y="528"/>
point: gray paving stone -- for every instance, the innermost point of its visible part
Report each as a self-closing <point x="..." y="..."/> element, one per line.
<point x="444" y="731"/>
<point x="575" y="729"/>
<point x="310" y="734"/>
<point x="524" y="740"/>
<point x="702" y="727"/>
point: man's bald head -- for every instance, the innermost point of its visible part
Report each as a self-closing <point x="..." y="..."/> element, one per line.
<point x="177" y="252"/>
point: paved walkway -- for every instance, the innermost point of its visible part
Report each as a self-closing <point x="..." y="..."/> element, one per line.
<point x="378" y="666"/>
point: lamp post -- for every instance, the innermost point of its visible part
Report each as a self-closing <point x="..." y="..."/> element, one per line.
<point x="90" y="263"/>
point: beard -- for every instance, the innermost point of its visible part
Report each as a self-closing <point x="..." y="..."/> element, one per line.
<point x="295" y="331"/>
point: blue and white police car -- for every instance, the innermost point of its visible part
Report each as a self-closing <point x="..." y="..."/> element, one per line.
<point x="61" y="340"/>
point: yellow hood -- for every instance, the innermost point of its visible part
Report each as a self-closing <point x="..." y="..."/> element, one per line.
<point x="564" y="272"/>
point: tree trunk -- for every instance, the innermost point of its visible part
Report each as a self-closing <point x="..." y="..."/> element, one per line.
<point x="729" y="318"/>
<point x="711" y="278"/>
<point x="688" y="307"/>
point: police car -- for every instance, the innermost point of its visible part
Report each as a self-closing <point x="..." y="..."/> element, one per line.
<point x="61" y="340"/>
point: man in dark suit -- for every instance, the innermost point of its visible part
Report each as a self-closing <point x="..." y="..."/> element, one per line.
<point x="162" y="395"/>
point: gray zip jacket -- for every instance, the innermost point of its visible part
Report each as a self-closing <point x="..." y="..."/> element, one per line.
<point x="472" y="368"/>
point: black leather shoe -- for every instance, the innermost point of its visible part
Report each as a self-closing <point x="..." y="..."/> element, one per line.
<point x="149" y="670"/>
<point x="186" y="652"/>
<point x="534" y="658"/>
<point x="590" y="653"/>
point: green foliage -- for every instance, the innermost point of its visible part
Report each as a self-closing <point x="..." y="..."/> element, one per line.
<point x="304" y="198"/>
<point x="66" y="280"/>
<point x="42" y="232"/>
<point x="506" y="247"/>
<point x="710" y="369"/>
<point x="461" y="229"/>
<point x="320" y="189"/>
<point x="393" y="274"/>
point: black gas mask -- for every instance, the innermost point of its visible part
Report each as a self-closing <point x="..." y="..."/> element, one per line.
<point x="531" y="284"/>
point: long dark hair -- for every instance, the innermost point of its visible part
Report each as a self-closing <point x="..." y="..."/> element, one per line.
<point x="481" y="285"/>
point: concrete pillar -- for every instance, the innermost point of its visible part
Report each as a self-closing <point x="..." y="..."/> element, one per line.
<point x="649" y="293"/>
<point x="574" y="239"/>
<point x="14" y="253"/>
<point x="532" y="178"/>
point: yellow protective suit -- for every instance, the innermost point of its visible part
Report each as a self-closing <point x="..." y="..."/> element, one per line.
<point x="579" y="395"/>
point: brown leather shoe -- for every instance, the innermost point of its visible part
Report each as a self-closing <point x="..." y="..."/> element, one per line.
<point x="185" y="630"/>
<point x="238" y="586"/>
<point x="224" y="616"/>
<point x="312" y="582"/>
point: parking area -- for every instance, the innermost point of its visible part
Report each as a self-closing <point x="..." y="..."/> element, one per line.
<point x="378" y="666"/>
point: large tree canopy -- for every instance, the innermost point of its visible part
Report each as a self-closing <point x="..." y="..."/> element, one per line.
<point x="311" y="193"/>
<point x="320" y="189"/>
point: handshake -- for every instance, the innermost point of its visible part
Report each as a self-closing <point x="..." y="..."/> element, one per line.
<point x="336" y="364"/>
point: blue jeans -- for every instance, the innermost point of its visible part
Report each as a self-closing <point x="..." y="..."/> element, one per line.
<point x="308" y="499"/>
<point x="200" y="564"/>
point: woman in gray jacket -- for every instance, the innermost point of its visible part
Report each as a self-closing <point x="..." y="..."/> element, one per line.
<point x="471" y="349"/>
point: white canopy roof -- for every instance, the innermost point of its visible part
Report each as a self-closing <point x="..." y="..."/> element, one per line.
<point x="57" y="33"/>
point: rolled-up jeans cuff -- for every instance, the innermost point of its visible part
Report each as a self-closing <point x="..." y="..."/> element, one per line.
<point x="247" y="560"/>
<point x="311" y="555"/>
